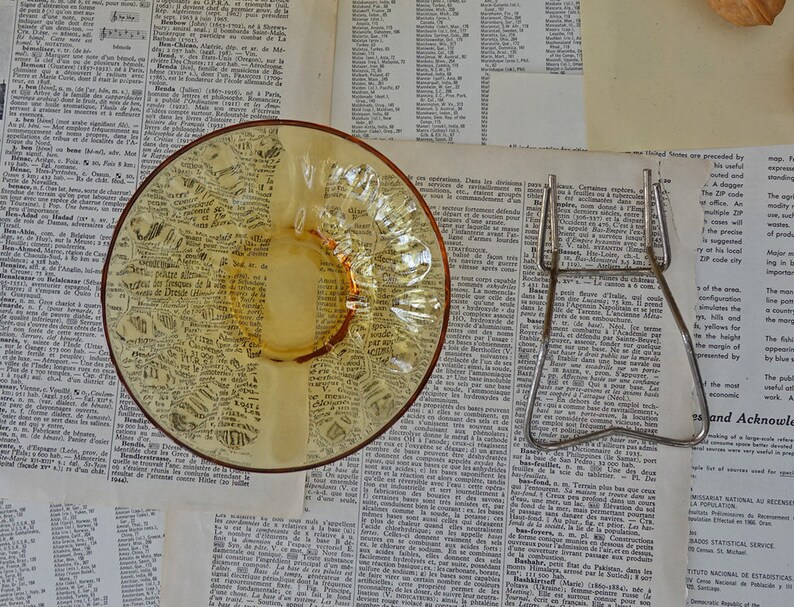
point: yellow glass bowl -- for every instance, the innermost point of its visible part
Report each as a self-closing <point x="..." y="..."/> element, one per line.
<point x="275" y="296"/>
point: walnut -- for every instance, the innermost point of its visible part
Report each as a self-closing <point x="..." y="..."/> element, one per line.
<point x="748" y="12"/>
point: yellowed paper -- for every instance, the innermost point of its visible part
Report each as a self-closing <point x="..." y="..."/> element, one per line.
<point x="675" y="75"/>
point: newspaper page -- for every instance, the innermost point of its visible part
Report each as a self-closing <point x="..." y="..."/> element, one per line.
<point x="56" y="554"/>
<point x="451" y="505"/>
<point x="419" y="69"/>
<point x="96" y="95"/>
<point x="741" y="548"/>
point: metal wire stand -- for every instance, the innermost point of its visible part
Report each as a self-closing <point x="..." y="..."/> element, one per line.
<point x="548" y="214"/>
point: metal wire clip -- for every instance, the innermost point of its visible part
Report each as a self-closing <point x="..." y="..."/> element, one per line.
<point x="548" y="214"/>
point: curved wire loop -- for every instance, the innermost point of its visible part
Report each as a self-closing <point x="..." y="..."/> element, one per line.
<point x="548" y="214"/>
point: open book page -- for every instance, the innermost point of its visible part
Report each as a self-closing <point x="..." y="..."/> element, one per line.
<point x="419" y="69"/>
<point x="97" y="95"/>
<point x="451" y="505"/>
<point x="55" y="554"/>
<point x="742" y="542"/>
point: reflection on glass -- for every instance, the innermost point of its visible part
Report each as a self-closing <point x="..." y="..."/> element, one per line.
<point x="275" y="295"/>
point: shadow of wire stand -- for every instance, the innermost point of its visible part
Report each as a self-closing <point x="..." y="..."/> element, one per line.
<point x="548" y="214"/>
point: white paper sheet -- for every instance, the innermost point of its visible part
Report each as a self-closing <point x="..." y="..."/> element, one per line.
<point x="538" y="110"/>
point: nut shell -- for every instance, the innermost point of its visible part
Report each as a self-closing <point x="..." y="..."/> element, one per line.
<point x="748" y="12"/>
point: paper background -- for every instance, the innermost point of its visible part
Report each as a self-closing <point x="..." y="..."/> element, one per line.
<point x="675" y="75"/>
<point x="540" y="110"/>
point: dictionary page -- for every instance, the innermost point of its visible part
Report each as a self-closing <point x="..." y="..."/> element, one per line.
<point x="451" y="504"/>
<point x="420" y="69"/>
<point x="536" y="110"/>
<point x="741" y="547"/>
<point x="55" y="554"/>
<point x="97" y="95"/>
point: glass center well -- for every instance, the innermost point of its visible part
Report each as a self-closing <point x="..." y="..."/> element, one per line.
<point x="289" y="296"/>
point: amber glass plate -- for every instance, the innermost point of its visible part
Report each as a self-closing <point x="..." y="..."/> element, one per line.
<point x="276" y="295"/>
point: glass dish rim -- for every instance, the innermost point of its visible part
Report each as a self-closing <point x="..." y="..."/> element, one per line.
<point x="417" y="196"/>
